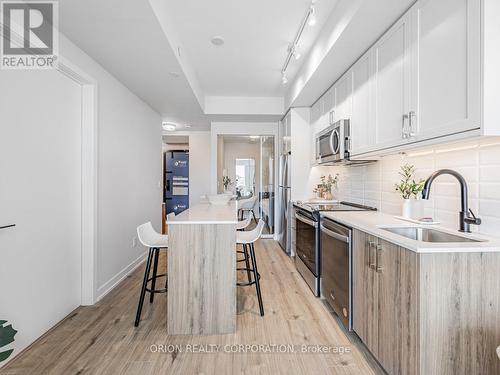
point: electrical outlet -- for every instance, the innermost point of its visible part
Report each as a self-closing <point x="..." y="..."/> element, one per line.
<point x="134" y="242"/>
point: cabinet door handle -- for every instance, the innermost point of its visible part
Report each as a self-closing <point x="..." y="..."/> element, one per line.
<point x="403" y="126"/>
<point x="379" y="267"/>
<point x="411" y="115"/>
<point x="371" y="263"/>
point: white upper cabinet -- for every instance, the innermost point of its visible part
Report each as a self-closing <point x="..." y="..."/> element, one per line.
<point x="343" y="92"/>
<point x="316" y="111"/>
<point x="446" y="74"/>
<point x="362" y="124"/>
<point x="391" y="79"/>
<point x="328" y="108"/>
<point x="422" y="80"/>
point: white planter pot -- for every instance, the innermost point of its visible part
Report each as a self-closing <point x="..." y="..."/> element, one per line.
<point x="412" y="209"/>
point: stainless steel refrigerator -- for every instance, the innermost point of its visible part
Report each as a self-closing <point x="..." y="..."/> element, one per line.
<point x="284" y="193"/>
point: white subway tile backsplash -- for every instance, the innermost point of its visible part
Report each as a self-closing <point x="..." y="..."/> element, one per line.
<point x="478" y="161"/>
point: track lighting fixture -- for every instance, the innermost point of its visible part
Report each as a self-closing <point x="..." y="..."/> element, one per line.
<point x="309" y="19"/>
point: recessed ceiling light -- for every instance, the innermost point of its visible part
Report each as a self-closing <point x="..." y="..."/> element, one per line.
<point x="254" y="136"/>
<point x="169" y="126"/>
<point x="217" y="41"/>
<point x="174" y="74"/>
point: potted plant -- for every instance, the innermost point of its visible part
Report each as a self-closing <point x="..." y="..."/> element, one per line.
<point x="410" y="191"/>
<point x="7" y="334"/>
<point x="324" y="188"/>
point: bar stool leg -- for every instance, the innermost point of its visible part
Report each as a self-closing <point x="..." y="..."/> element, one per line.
<point x="144" y="286"/>
<point x="257" y="283"/>
<point x="155" y="272"/>
<point x="254" y="218"/>
<point x="247" y="261"/>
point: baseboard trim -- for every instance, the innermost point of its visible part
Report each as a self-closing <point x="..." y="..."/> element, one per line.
<point x="120" y="276"/>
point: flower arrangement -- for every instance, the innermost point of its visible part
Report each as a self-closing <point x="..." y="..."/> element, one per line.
<point x="324" y="188"/>
<point x="226" y="181"/>
<point x="408" y="187"/>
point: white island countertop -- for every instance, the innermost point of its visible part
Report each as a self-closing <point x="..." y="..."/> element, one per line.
<point x="374" y="222"/>
<point x="206" y="213"/>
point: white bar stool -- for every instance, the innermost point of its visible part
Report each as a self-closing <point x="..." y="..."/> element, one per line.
<point x="240" y="226"/>
<point x="155" y="241"/>
<point x="247" y="239"/>
<point x="247" y="205"/>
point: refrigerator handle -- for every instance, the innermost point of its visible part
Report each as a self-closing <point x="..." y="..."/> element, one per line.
<point x="285" y="172"/>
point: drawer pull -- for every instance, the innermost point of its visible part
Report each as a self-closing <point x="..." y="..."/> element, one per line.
<point x="371" y="262"/>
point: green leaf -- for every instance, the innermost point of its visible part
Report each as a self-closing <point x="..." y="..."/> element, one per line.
<point x="5" y="355"/>
<point x="7" y="334"/>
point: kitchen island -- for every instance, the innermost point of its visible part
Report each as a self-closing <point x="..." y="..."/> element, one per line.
<point x="202" y="270"/>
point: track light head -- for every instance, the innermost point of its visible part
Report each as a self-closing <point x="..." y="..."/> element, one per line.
<point x="296" y="52"/>
<point x="284" y="79"/>
<point x="312" y="16"/>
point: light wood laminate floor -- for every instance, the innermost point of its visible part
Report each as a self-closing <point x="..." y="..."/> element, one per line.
<point x="101" y="339"/>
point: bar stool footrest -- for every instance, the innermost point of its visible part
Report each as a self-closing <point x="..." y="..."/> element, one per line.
<point x="165" y="290"/>
<point x="249" y="282"/>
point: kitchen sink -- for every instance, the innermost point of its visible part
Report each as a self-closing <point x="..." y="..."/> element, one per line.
<point x="428" y="235"/>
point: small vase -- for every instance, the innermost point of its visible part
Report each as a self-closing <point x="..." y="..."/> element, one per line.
<point x="406" y="210"/>
<point x="327" y="195"/>
<point x="412" y="209"/>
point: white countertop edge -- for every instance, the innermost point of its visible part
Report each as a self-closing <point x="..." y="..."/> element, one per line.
<point x="491" y="244"/>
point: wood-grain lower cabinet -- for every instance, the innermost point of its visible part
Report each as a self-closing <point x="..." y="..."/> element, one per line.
<point x="396" y="270"/>
<point x="365" y="291"/>
<point x="426" y="313"/>
<point x="384" y="302"/>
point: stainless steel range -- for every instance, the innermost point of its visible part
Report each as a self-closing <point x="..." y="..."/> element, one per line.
<point x="308" y="238"/>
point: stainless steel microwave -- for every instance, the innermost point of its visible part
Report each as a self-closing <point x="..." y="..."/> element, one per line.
<point x="332" y="144"/>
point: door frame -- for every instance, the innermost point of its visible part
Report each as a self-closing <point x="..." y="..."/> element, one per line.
<point x="89" y="177"/>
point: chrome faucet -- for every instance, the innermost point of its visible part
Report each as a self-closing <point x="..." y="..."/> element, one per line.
<point x="466" y="216"/>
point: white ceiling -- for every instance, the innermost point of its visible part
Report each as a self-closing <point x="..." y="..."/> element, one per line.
<point x="256" y="33"/>
<point x="126" y="38"/>
<point x="141" y="42"/>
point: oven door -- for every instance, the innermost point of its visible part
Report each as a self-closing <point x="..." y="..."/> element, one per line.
<point x="336" y="268"/>
<point x="305" y="240"/>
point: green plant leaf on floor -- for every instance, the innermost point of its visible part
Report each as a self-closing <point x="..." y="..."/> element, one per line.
<point x="7" y="334"/>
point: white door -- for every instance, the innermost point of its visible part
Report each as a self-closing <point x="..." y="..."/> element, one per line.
<point x="40" y="192"/>
<point x="391" y="80"/>
<point x="362" y="124"/>
<point x="446" y="75"/>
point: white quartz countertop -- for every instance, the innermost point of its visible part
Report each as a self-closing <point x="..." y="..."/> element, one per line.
<point x="206" y="213"/>
<point x="373" y="222"/>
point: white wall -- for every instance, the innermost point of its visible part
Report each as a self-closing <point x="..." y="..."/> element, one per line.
<point x="128" y="191"/>
<point x="129" y="170"/>
<point x="478" y="161"/>
<point x="301" y="154"/>
<point x="199" y="165"/>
